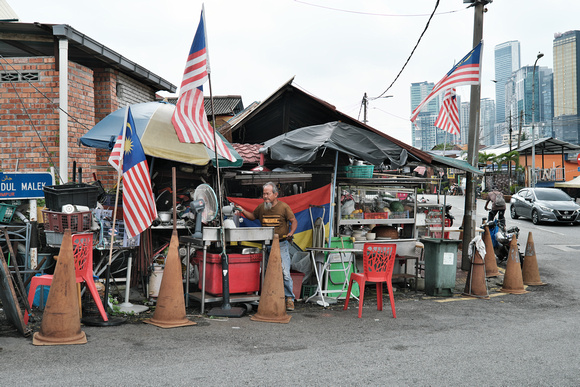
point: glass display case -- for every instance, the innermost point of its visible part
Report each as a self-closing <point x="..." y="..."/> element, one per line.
<point x="376" y="205"/>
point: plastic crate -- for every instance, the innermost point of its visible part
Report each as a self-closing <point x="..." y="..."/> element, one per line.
<point x="377" y="215"/>
<point x="399" y="215"/>
<point x="79" y="194"/>
<point x="244" y="272"/>
<point x="308" y="290"/>
<point x="59" y="221"/>
<point x="357" y="171"/>
<point x="7" y="212"/>
<point x="122" y="239"/>
<point x="53" y="238"/>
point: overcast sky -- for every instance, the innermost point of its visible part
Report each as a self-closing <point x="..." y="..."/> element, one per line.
<point x="336" y="49"/>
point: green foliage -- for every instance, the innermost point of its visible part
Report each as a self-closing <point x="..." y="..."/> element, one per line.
<point x="443" y="146"/>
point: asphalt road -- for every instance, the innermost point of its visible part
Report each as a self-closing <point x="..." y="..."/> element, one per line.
<point x="529" y="339"/>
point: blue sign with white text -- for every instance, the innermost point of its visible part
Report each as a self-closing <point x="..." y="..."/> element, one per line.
<point x="24" y="185"/>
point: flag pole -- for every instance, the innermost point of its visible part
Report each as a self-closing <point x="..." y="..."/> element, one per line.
<point x="116" y="320"/>
<point x="226" y="309"/>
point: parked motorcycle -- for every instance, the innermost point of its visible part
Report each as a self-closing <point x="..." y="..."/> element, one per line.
<point x="501" y="238"/>
<point x="455" y="189"/>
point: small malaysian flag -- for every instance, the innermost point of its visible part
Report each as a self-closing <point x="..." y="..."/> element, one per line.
<point x="139" y="209"/>
<point x="189" y="119"/>
<point x="448" y="119"/>
<point x="466" y="72"/>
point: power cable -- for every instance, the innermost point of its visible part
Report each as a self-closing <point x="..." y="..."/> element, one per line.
<point x="412" y="52"/>
<point x="51" y="162"/>
<point x="34" y="128"/>
<point x="373" y="13"/>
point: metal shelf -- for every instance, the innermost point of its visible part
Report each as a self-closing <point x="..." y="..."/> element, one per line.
<point x="378" y="221"/>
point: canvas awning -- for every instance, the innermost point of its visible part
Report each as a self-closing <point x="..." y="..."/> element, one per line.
<point x="157" y="135"/>
<point x="574" y="183"/>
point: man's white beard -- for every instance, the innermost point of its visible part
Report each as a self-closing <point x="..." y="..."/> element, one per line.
<point x="268" y="205"/>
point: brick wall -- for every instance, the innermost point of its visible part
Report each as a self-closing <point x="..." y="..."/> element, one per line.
<point x="29" y="116"/>
<point x="114" y="90"/>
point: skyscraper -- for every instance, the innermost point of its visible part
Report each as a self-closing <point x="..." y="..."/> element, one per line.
<point x="507" y="60"/>
<point x="566" y="84"/>
<point x="520" y="101"/>
<point x="487" y="112"/>
<point x="423" y="132"/>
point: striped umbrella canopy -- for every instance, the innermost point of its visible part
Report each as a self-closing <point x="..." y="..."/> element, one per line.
<point x="157" y="135"/>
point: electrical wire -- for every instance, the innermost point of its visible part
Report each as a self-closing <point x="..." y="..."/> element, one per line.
<point x="51" y="162"/>
<point x="412" y="52"/>
<point x="373" y="13"/>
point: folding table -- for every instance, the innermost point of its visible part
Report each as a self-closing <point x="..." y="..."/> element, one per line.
<point x="346" y="257"/>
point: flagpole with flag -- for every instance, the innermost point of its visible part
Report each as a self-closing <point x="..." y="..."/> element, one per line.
<point x="116" y="160"/>
<point x="465" y="72"/>
<point x="189" y="119"/>
<point x="226" y="310"/>
<point x="139" y="209"/>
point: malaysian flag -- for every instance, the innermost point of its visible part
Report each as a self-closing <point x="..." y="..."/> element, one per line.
<point x="189" y="119"/>
<point x="138" y="203"/>
<point x="448" y="118"/>
<point x="466" y="72"/>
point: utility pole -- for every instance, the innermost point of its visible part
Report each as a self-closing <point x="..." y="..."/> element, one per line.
<point x="510" y="160"/>
<point x="473" y="141"/>
<point x="365" y="104"/>
<point x="520" y="128"/>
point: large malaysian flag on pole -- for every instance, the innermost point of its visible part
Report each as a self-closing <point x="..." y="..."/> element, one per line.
<point x="189" y="119"/>
<point x="466" y="72"/>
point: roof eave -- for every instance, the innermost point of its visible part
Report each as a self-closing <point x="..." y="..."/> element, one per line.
<point x="111" y="57"/>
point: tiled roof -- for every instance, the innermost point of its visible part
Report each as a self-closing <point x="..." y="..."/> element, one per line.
<point x="249" y="152"/>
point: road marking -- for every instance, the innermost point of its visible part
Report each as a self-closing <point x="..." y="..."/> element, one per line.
<point x="568" y="248"/>
<point x="553" y="232"/>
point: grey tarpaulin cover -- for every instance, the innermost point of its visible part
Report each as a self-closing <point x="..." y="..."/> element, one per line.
<point x="301" y="146"/>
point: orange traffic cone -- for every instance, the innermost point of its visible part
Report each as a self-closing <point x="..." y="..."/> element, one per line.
<point x="512" y="280"/>
<point x="61" y="321"/>
<point x="476" y="285"/>
<point x="530" y="272"/>
<point x="490" y="260"/>
<point x="170" y="310"/>
<point x="272" y="307"/>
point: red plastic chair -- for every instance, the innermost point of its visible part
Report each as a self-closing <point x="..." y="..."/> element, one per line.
<point x="378" y="263"/>
<point x="83" y="253"/>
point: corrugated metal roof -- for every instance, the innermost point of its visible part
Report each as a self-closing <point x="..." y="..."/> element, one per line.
<point x="19" y="40"/>
<point x="6" y="12"/>
<point x="227" y="105"/>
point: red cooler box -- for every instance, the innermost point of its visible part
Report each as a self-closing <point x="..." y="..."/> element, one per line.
<point x="244" y="272"/>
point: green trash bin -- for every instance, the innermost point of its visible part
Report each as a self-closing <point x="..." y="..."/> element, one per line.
<point x="440" y="266"/>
